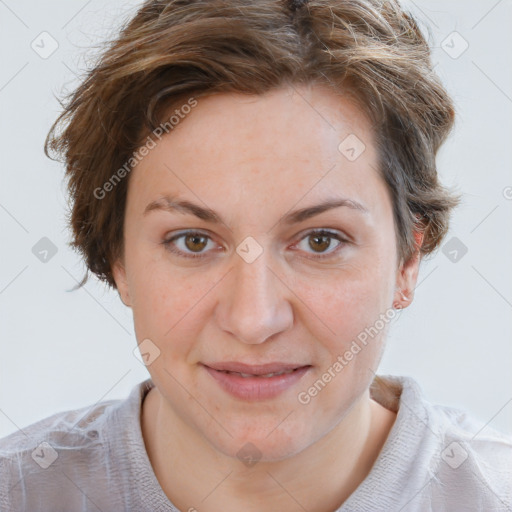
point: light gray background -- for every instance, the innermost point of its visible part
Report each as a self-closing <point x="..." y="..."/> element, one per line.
<point x="63" y="350"/>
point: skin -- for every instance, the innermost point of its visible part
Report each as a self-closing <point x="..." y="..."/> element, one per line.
<point x="253" y="159"/>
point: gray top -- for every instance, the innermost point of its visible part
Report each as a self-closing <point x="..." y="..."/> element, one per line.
<point x="94" y="458"/>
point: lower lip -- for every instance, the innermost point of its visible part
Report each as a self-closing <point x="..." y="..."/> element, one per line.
<point x="256" y="388"/>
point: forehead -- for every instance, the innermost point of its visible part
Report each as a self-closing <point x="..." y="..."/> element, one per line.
<point x="321" y="112"/>
<point x="286" y="143"/>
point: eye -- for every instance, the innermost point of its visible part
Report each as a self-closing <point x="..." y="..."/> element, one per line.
<point x="193" y="241"/>
<point x="320" y="240"/>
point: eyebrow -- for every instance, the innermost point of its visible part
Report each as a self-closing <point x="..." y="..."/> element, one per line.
<point x="172" y="205"/>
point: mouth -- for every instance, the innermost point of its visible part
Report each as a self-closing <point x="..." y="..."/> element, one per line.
<point x="266" y="375"/>
<point x="256" y="382"/>
<point x="255" y="370"/>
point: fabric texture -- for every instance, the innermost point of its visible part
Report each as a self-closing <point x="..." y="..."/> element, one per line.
<point x="94" y="459"/>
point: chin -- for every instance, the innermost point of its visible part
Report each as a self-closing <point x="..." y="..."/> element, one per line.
<point x="264" y="443"/>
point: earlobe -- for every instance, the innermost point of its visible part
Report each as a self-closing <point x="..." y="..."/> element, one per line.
<point x="402" y="302"/>
<point x="407" y="277"/>
<point x="119" y="275"/>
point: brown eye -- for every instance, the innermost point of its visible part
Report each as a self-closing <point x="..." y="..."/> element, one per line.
<point x="195" y="243"/>
<point x="188" y="245"/>
<point x="320" y="241"/>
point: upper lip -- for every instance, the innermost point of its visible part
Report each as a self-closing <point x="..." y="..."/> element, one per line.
<point x="256" y="369"/>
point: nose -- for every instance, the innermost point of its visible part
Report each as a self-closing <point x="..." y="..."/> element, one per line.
<point x="254" y="302"/>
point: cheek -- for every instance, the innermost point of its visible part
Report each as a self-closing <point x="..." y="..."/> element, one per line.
<point x="343" y="304"/>
<point x="166" y="303"/>
<point x="353" y="310"/>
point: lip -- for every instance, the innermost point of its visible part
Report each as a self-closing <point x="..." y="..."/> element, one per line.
<point x="255" y="369"/>
<point x="256" y="388"/>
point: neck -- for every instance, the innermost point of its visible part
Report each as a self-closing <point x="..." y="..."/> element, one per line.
<point x="194" y="475"/>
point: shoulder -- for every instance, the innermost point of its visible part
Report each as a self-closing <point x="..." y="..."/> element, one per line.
<point x="468" y="463"/>
<point x="69" y="429"/>
<point x="69" y="455"/>
<point x="77" y="428"/>
<point x="435" y="458"/>
<point x="478" y="439"/>
<point x="55" y="442"/>
<point x="36" y="460"/>
<point x="473" y="456"/>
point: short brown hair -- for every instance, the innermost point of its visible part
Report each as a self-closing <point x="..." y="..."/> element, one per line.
<point x="176" y="49"/>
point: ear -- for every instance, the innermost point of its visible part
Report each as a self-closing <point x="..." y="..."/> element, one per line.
<point x="407" y="276"/>
<point x="119" y="275"/>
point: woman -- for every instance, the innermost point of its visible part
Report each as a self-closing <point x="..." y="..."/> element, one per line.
<point x="258" y="182"/>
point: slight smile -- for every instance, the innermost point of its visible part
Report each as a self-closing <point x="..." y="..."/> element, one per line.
<point x="256" y="382"/>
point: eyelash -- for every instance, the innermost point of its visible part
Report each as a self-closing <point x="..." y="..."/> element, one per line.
<point x="168" y="244"/>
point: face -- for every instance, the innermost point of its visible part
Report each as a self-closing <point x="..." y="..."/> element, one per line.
<point x="252" y="281"/>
